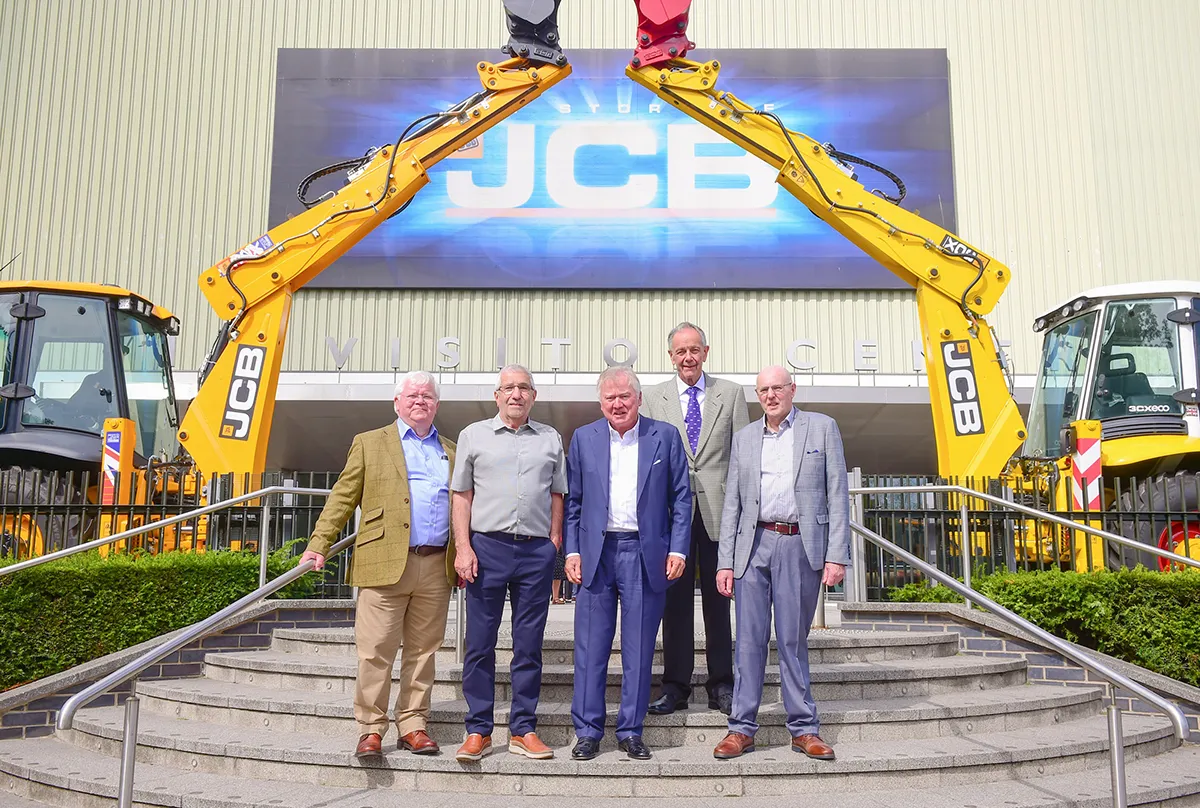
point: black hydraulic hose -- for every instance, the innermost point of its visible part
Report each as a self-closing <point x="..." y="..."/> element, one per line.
<point x="850" y="158"/>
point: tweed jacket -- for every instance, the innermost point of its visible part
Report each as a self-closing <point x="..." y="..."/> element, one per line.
<point x="724" y="413"/>
<point x="821" y="488"/>
<point x="376" y="478"/>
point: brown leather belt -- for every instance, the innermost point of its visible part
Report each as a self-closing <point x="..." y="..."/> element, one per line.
<point x="427" y="549"/>
<point x="783" y="528"/>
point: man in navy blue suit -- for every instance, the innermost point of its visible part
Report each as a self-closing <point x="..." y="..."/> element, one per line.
<point x="628" y="531"/>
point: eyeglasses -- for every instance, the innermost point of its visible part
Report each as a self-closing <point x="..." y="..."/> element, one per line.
<point x="509" y="389"/>
<point x="415" y="397"/>
<point x="777" y="389"/>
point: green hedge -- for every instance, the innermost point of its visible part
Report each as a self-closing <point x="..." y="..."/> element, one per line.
<point x="70" y="611"/>
<point x="1148" y="618"/>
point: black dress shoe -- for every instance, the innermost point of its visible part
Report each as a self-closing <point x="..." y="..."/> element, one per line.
<point x="585" y="749"/>
<point x="634" y="747"/>
<point x="667" y="704"/>
<point x="723" y="701"/>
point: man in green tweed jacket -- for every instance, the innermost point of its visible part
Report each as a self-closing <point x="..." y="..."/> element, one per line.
<point x="403" y="562"/>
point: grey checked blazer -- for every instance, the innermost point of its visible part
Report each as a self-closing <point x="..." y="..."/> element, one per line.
<point x="724" y="412"/>
<point x="822" y="498"/>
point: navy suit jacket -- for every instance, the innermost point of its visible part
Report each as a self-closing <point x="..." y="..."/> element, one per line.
<point x="664" y="503"/>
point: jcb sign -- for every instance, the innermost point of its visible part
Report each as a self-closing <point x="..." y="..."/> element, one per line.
<point x="243" y="392"/>
<point x="964" y="392"/>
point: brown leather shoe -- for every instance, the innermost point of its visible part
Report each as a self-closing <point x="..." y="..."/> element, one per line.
<point x="813" y="746"/>
<point x="529" y="745"/>
<point x="475" y="747"/>
<point x="419" y="743"/>
<point x="735" y="744"/>
<point x="369" y="746"/>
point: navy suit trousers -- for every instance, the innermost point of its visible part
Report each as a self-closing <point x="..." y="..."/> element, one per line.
<point x="620" y="577"/>
<point x="520" y="571"/>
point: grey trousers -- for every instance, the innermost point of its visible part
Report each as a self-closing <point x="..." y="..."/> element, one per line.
<point x="778" y="576"/>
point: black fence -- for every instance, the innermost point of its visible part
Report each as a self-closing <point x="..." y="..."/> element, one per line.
<point x="1162" y="512"/>
<point x="44" y="511"/>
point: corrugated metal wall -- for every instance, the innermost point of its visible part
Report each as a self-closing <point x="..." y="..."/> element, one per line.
<point x="136" y="134"/>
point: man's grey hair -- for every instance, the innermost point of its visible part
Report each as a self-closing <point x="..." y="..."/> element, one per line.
<point x="515" y="368"/>
<point x="685" y="326"/>
<point x="417" y="377"/>
<point x="616" y="373"/>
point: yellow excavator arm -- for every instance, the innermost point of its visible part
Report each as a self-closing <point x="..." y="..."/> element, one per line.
<point x="227" y="426"/>
<point x="976" y="421"/>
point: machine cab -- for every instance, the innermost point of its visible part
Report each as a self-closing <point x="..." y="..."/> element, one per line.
<point x="74" y="354"/>
<point x="1126" y="356"/>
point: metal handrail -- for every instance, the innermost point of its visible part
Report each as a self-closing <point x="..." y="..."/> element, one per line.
<point x="1016" y="506"/>
<point x="161" y="523"/>
<point x="1178" y="720"/>
<point x="66" y="714"/>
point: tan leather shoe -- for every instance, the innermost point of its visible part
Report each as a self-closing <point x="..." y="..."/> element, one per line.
<point x="419" y="743"/>
<point x="475" y="747"/>
<point x="529" y="745"/>
<point x="735" y="744"/>
<point x="813" y="746"/>
<point x="369" y="746"/>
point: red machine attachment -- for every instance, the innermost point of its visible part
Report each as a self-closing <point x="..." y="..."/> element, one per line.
<point x="662" y="31"/>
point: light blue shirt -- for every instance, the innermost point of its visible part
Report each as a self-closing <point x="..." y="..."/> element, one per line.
<point x="428" y="486"/>
<point x="778" y="473"/>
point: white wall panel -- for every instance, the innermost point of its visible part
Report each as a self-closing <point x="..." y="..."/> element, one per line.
<point x="136" y="148"/>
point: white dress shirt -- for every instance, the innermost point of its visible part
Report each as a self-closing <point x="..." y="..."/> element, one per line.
<point x="778" y="474"/>
<point x="684" y="397"/>
<point x="622" y="479"/>
<point x="623" y="482"/>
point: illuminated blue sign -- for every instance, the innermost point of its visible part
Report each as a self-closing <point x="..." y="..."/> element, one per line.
<point x="597" y="185"/>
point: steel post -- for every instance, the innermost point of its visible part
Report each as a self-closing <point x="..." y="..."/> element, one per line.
<point x="1116" y="746"/>
<point x="128" y="752"/>
<point x="460" y="617"/>
<point x="264" y="533"/>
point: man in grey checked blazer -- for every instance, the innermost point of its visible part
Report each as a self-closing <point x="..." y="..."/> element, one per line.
<point x="707" y="412"/>
<point x="785" y="531"/>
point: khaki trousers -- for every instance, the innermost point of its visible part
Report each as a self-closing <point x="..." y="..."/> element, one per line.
<point x="411" y="611"/>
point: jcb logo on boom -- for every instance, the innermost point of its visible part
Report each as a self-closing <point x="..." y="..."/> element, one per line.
<point x="964" y="392"/>
<point x="243" y="392"/>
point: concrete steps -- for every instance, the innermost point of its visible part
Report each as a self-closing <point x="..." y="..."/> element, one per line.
<point x="326" y="759"/>
<point x="824" y="646"/>
<point x="49" y="771"/>
<point x="955" y="713"/>
<point x="904" y="711"/>
<point x="831" y="681"/>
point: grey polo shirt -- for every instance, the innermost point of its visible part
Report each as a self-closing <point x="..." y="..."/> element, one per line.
<point x="512" y="474"/>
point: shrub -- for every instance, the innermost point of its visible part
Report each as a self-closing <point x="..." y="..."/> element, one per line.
<point x="1148" y="618"/>
<point x="67" y="612"/>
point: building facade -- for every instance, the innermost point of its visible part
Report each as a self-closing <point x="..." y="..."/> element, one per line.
<point x="137" y="149"/>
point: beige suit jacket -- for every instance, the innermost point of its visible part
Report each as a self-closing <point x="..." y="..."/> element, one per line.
<point x="376" y="478"/>
<point x="724" y="412"/>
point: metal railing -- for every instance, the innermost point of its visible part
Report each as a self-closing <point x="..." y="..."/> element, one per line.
<point x="174" y="520"/>
<point x="130" y="670"/>
<point x="965" y="522"/>
<point x="1114" y="679"/>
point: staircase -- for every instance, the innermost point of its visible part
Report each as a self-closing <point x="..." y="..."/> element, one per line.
<point x="911" y="719"/>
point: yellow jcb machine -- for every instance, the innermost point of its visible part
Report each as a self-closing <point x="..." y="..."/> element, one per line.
<point x="87" y="373"/>
<point x="1116" y="398"/>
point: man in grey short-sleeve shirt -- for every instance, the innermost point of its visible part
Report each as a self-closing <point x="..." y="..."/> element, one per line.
<point x="507" y="497"/>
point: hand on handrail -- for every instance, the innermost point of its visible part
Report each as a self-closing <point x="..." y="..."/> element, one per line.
<point x="317" y="559"/>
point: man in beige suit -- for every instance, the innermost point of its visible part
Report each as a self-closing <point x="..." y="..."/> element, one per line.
<point x="707" y="412"/>
<point x="403" y="562"/>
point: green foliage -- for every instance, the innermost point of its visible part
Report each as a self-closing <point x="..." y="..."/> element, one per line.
<point x="67" y="612"/>
<point x="1148" y="618"/>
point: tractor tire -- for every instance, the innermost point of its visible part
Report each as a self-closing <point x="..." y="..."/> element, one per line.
<point x="1145" y="515"/>
<point x="24" y="493"/>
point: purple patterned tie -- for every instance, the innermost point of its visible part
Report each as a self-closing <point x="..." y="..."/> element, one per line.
<point x="692" y="419"/>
